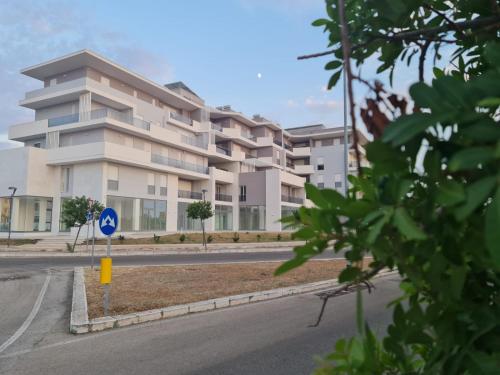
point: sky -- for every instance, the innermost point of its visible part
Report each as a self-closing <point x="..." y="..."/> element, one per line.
<point x="237" y="52"/>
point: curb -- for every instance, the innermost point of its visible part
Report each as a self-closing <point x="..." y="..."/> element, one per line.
<point x="80" y="322"/>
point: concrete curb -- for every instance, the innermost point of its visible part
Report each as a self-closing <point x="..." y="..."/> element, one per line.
<point x="81" y="323"/>
<point x="79" y="320"/>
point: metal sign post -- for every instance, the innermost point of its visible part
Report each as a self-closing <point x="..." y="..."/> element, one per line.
<point x="108" y="222"/>
<point x="93" y="243"/>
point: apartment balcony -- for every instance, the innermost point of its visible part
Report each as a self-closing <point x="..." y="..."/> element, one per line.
<point x="288" y="147"/>
<point x="222" y="150"/>
<point x="303" y="169"/>
<point x="249" y="136"/>
<point x="190" y="194"/>
<point x="223" y="197"/>
<point x="164" y="160"/>
<point x="222" y="176"/>
<point x="98" y="114"/>
<point x="290" y="199"/>
<point x="216" y="127"/>
<point x="292" y="179"/>
<point x="277" y="142"/>
<point x="184" y="119"/>
<point x="193" y="141"/>
<point x="301" y="152"/>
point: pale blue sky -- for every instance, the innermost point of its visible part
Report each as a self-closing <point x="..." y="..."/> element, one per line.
<point x="216" y="47"/>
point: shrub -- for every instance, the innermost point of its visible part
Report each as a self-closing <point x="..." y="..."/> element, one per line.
<point x="259" y="237"/>
<point x="69" y="248"/>
<point x="156" y="238"/>
<point x="278" y="237"/>
<point x="236" y="237"/>
<point x="121" y="238"/>
<point x="210" y="238"/>
<point x="182" y="237"/>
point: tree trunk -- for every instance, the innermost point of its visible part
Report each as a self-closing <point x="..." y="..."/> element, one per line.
<point x="76" y="238"/>
<point x="203" y="230"/>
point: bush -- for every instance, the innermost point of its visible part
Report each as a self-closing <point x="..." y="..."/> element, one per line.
<point x="69" y="248"/>
<point x="182" y="237"/>
<point x="156" y="238"/>
<point x="278" y="237"/>
<point x="259" y="237"/>
<point x="210" y="239"/>
<point x="121" y="238"/>
<point x="236" y="237"/>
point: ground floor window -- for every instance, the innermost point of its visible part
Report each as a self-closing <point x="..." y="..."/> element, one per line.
<point x="252" y="218"/>
<point x="124" y="207"/>
<point x="287" y="211"/>
<point x="135" y="214"/>
<point x="183" y="222"/>
<point x="223" y="217"/>
<point x="29" y="214"/>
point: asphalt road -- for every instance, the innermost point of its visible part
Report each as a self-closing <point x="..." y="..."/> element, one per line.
<point x="41" y="263"/>
<point x="263" y="338"/>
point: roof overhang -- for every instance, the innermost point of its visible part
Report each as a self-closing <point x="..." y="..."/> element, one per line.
<point x="217" y="114"/>
<point x="86" y="58"/>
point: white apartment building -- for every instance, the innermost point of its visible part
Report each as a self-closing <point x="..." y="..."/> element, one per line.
<point x="148" y="151"/>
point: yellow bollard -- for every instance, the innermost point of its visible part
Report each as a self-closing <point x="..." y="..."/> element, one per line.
<point x="106" y="264"/>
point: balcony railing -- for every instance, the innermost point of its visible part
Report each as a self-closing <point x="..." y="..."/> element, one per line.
<point x="181" y="118"/>
<point x="243" y="198"/>
<point x="217" y="127"/>
<point x="288" y="147"/>
<point x="249" y="136"/>
<point x="194" y="141"/>
<point x="287" y="198"/>
<point x="98" y="114"/>
<point x="290" y="165"/>
<point x="223" y="197"/>
<point x="222" y="150"/>
<point x="160" y="159"/>
<point x="277" y="142"/>
<point x="189" y="194"/>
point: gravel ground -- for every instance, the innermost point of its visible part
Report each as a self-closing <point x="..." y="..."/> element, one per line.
<point x="136" y="289"/>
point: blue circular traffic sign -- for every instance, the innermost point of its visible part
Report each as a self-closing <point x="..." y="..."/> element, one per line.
<point x="108" y="221"/>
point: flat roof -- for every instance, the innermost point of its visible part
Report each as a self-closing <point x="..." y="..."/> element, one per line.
<point x="87" y="58"/>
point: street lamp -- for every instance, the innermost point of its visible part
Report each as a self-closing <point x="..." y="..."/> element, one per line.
<point x="204" y="192"/>
<point x="14" y="189"/>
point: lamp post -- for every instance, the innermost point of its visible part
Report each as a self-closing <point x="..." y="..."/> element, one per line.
<point x="14" y="189"/>
<point x="204" y="191"/>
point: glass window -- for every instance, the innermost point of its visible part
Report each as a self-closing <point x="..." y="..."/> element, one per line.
<point x="124" y="207"/>
<point x="252" y="218"/>
<point x="285" y="212"/>
<point x="223" y="217"/>
<point x="29" y="214"/>
<point x="243" y="193"/>
<point x="65" y="179"/>
<point x="153" y="215"/>
<point x="113" y="177"/>
<point x="183" y="222"/>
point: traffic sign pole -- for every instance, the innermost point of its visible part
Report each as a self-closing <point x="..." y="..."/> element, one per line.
<point x="93" y="243"/>
<point x="108" y="222"/>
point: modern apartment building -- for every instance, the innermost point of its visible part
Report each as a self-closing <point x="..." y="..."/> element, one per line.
<point x="148" y="151"/>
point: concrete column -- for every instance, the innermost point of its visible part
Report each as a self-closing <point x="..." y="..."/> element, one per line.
<point x="16" y="215"/>
<point x="43" y="215"/>
<point x="210" y="196"/>
<point x="172" y="191"/>
<point x="85" y="106"/>
<point x="273" y="200"/>
<point x="136" y="221"/>
<point x="56" y="213"/>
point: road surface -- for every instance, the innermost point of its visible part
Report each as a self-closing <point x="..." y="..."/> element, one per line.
<point x="262" y="338"/>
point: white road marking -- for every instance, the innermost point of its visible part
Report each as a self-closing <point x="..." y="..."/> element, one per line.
<point x="30" y="317"/>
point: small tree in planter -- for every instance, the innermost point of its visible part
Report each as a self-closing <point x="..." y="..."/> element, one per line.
<point x="201" y="210"/>
<point x="74" y="213"/>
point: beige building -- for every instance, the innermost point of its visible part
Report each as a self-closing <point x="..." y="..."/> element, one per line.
<point x="146" y="150"/>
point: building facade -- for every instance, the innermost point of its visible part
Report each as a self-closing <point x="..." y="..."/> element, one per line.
<point x="148" y="151"/>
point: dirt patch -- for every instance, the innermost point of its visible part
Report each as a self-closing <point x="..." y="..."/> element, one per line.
<point x="216" y="237"/>
<point x="144" y="288"/>
<point x="18" y="241"/>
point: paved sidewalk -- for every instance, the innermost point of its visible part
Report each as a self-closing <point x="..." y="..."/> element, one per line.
<point x="149" y="249"/>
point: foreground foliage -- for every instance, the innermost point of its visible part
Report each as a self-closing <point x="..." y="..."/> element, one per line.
<point x="429" y="206"/>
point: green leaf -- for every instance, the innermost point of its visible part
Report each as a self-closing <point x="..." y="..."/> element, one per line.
<point x="492" y="228"/>
<point x="349" y="274"/>
<point x="450" y="193"/>
<point x="315" y="195"/>
<point x="320" y="22"/>
<point x="406" y="127"/>
<point x="470" y="158"/>
<point x="457" y="280"/>
<point x="476" y="194"/>
<point x="333" y="79"/>
<point x="484" y="129"/>
<point x="356" y="354"/>
<point x="332" y="65"/>
<point x="406" y="226"/>
<point x="425" y="96"/>
<point x="376" y="228"/>
<point x="489" y="102"/>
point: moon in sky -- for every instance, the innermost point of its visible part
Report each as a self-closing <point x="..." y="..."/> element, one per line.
<point x="259" y="76"/>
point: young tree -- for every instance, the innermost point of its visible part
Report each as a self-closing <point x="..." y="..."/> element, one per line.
<point x="74" y="213"/>
<point x="200" y="210"/>
<point x="429" y="205"/>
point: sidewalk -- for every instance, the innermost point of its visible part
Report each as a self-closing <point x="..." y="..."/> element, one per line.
<point x="149" y="249"/>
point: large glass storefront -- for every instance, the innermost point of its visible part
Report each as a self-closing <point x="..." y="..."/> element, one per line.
<point x="29" y="214"/>
<point x="252" y="218"/>
<point x="183" y="222"/>
<point x="287" y="211"/>
<point x="223" y="217"/>
<point x="136" y="214"/>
